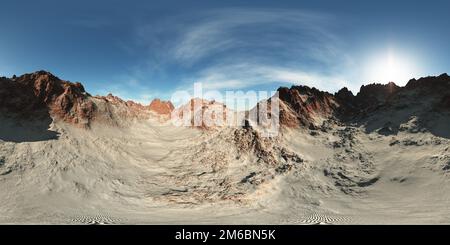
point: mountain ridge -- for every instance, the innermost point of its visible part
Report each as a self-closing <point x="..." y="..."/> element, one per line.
<point x="68" y="101"/>
<point x="335" y="155"/>
<point x="302" y="106"/>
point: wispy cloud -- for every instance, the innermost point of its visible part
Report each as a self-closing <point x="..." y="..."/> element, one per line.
<point x="255" y="33"/>
<point x="241" y="48"/>
<point x="241" y="76"/>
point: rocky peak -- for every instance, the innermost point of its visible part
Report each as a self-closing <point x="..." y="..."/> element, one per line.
<point x="64" y="100"/>
<point x="430" y="83"/>
<point x="46" y="86"/>
<point x="375" y="94"/>
<point x="299" y="105"/>
<point x="161" y="107"/>
<point x="305" y="105"/>
<point x="203" y="113"/>
<point x="345" y="96"/>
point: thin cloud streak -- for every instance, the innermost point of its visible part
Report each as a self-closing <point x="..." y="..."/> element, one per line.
<point x="245" y="48"/>
<point x="244" y="76"/>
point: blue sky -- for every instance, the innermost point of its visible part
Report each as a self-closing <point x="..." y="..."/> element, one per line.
<point x="145" y="49"/>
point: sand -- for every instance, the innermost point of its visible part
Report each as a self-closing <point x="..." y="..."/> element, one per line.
<point x="155" y="173"/>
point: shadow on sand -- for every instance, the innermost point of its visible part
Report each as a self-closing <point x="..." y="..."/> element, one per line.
<point x="17" y="129"/>
<point x="389" y="123"/>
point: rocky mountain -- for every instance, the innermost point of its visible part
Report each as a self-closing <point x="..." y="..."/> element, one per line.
<point x="39" y="91"/>
<point x="309" y="107"/>
<point x="42" y="94"/>
<point x="161" y="107"/>
<point x="380" y="156"/>
<point x="304" y="106"/>
<point x="202" y="113"/>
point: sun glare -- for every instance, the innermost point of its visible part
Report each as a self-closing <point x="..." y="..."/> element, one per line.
<point x="390" y="67"/>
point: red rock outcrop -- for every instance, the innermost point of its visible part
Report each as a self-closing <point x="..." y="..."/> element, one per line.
<point x="64" y="100"/>
<point x="41" y="91"/>
<point x="161" y="107"/>
<point x="17" y="97"/>
<point x="301" y="105"/>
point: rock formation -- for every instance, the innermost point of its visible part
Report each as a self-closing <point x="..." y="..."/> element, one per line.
<point x="308" y="107"/>
<point x="202" y="113"/>
<point x="300" y="106"/>
<point x="161" y="107"/>
<point x="42" y="93"/>
<point x="303" y="106"/>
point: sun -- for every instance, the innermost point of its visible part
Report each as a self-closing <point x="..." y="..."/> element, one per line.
<point x="390" y="66"/>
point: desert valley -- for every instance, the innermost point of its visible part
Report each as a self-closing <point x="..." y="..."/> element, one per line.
<point x="381" y="156"/>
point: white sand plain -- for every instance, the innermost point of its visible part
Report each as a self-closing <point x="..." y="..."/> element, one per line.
<point x="153" y="173"/>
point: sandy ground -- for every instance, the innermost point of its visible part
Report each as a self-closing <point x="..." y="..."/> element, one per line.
<point x="159" y="174"/>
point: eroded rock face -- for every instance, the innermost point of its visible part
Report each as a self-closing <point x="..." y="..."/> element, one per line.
<point x="16" y="97"/>
<point x="345" y="95"/>
<point x="432" y="88"/>
<point x="373" y="95"/>
<point x="41" y="90"/>
<point x="445" y="103"/>
<point x="202" y="114"/>
<point x="113" y="110"/>
<point x="430" y="84"/>
<point x="43" y="93"/>
<point x="161" y="107"/>
<point x="302" y="105"/>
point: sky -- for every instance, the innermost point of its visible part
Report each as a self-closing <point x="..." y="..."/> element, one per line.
<point x="142" y="50"/>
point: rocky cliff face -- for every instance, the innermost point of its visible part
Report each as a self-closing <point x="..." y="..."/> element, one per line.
<point x="445" y="103"/>
<point x="304" y="106"/>
<point x="42" y="93"/>
<point x="39" y="91"/>
<point x="372" y="95"/>
<point x="161" y="107"/>
<point x="33" y="94"/>
<point x="202" y="113"/>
